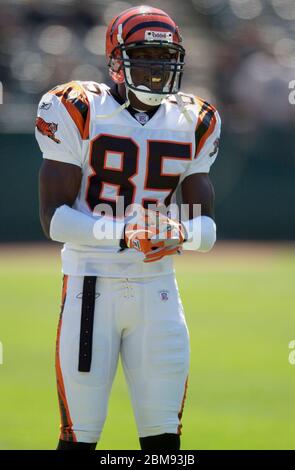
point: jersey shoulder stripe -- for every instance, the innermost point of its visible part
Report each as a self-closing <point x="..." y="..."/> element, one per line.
<point x="205" y="125"/>
<point x="73" y="96"/>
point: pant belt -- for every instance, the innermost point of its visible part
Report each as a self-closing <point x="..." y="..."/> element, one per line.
<point x="87" y="320"/>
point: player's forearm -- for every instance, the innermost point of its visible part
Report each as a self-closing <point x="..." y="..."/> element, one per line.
<point x="71" y="226"/>
<point x="200" y="234"/>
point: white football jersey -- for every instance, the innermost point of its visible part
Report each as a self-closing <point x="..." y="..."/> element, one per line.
<point x="143" y="159"/>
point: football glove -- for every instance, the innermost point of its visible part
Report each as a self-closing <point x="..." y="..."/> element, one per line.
<point x="155" y="235"/>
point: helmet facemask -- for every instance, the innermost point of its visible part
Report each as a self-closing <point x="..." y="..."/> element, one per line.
<point x="151" y="80"/>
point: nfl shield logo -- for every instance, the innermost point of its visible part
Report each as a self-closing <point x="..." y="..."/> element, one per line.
<point x="142" y="118"/>
<point x="164" y="295"/>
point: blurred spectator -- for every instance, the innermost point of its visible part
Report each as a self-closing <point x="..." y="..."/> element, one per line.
<point x="240" y="54"/>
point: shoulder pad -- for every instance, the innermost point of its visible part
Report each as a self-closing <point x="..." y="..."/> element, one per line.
<point x="74" y="97"/>
<point x="205" y="124"/>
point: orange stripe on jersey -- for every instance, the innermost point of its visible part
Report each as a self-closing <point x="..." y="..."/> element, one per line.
<point x="205" y="125"/>
<point x="66" y="427"/>
<point x="64" y="291"/>
<point x="182" y="407"/>
<point x="86" y="127"/>
<point x="74" y="99"/>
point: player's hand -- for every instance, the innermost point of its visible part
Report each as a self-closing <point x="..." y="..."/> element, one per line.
<point x="159" y="253"/>
<point x="155" y="235"/>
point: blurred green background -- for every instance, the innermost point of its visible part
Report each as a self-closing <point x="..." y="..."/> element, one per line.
<point x="239" y="299"/>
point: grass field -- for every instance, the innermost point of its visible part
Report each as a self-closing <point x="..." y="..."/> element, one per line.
<point x="239" y="304"/>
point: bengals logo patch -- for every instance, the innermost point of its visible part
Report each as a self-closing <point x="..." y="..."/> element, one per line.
<point x="215" y="149"/>
<point x="47" y="128"/>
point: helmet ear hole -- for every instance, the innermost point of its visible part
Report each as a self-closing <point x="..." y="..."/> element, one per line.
<point x="115" y="64"/>
<point x="117" y="77"/>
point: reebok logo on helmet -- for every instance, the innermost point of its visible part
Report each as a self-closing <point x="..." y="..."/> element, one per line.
<point x="158" y="36"/>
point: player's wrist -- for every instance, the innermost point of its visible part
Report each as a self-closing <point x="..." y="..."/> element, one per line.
<point x="200" y="233"/>
<point x="122" y="243"/>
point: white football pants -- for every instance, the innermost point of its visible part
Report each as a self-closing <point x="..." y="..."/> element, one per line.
<point x="143" y="321"/>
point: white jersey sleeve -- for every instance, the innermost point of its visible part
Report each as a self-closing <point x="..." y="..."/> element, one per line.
<point x="60" y="123"/>
<point x="207" y="135"/>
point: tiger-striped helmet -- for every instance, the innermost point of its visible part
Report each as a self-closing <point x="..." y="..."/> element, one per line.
<point x="138" y="29"/>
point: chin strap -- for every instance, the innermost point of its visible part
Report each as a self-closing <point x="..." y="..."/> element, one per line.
<point x="183" y="108"/>
<point x="114" y="113"/>
<point x="117" y="110"/>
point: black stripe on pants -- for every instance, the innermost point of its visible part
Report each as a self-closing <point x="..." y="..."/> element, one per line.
<point x="87" y="320"/>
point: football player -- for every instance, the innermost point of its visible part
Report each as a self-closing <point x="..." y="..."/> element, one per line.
<point x="140" y="142"/>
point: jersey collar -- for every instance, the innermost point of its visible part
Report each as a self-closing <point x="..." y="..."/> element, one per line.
<point x="134" y="112"/>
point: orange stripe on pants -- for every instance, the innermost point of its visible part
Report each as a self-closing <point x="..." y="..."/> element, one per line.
<point x="182" y="407"/>
<point x="67" y="433"/>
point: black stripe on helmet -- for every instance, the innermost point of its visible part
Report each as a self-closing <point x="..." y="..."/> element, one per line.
<point x="149" y="24"/>
<point x="143" y="14"/>
<point x="118" y="18"/>
<point x="131" y="17"/>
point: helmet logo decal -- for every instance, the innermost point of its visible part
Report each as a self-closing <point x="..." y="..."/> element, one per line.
<point x="158" y="36"/>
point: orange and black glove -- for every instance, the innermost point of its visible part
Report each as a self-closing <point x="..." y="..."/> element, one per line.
<point x="155" y="235"/>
